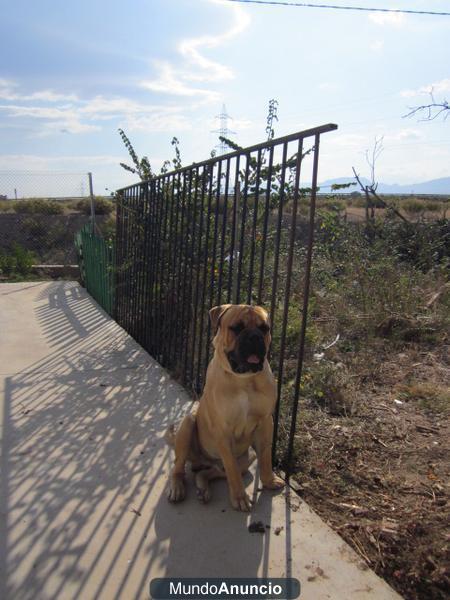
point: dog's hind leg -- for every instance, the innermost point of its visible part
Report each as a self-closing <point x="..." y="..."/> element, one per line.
<point x="182" y="442"/>
<point x="204" y="476"/>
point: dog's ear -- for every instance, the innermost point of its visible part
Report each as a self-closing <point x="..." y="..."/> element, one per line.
<point x="215" y="314"/>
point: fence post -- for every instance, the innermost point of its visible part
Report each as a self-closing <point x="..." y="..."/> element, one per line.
<point x="236" y="245"/>
<point x="91" y="196"/>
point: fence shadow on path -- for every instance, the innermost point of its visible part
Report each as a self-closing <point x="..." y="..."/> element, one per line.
<point x="84" y="466"/>
<point x="82" y="428"/>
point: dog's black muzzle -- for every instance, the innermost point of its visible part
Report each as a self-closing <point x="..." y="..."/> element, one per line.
<point x="249" y="353"/>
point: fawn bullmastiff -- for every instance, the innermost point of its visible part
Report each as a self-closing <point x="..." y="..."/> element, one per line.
<point x="234" y="414"/>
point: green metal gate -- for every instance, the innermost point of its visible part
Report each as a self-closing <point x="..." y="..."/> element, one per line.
<point x="96" y="261"/>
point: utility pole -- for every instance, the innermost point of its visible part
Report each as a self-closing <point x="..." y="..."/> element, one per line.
<point x="91" y="196"/>
<point x="223" y="130"/>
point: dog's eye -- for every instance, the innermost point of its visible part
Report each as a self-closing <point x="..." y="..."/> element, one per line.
<point x="237" y="328"/>
<point x="264" y="328"/>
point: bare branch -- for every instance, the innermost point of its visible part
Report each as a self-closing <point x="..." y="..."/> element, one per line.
<point x="371" y="160"/>
<point x="432" y="110"/>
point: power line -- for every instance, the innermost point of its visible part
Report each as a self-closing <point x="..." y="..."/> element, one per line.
<point x="334" y="7"/>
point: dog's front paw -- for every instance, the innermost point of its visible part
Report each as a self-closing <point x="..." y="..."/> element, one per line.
<point x="177" y="489"/>
<point x="203" y="495"/>
<point x="274" y="483"/>
<point x="203" y="490"/>
<point x="241" y="501"/>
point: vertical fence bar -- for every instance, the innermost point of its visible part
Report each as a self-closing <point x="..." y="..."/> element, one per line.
<point x="176" y="261"/>
<point x="187" y="281"/>
<point x="242" y="226"/>
<point x="204" y="182"/>
<point x="287" y="293"/>
<point x="146" y="325"/>
<point x="265" y="226"/>
<point x="180" y="260"/>
<point x="223" y="238"/>
<point x="159" y="323"/>
<point x="204" y="280"/>
<point x="153" y="220"/>
<point x="140" y="257"/>
<point x="118" y="259"/>
<point x="164" y="316"/>
<point x="213" y="256"/>
<point x="234" y="224"/>
<point x="278" y="234"/>
<point x="254" y="227"/>
<point x="190" y="324"/>
<point x="301" y="349"/>
<point x="145" y="260"/>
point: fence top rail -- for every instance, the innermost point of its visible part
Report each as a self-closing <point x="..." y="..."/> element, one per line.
<point x="263" y="145"/>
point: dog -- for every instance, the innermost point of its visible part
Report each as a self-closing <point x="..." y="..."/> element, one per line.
<point x="233" y="417"/>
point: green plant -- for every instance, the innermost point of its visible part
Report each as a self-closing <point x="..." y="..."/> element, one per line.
<point x="6" y="206"/>
<point x="19" y="260"/>
<point x="413" y="206"/>
<point x="101" y="206"/>
<point x="431" y="206"/>
<point x="38" y="206"/>
<point x="142" y="166"/>
<point x="433" y="398"/>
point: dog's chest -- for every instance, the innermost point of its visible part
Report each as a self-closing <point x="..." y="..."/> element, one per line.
<point x="249" y="409"/>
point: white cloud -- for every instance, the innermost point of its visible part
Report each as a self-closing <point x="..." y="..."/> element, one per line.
<point x="67" y="126"/>
<point x="377" y="45"/>
<point x="36" y="162"/>
<point x="438" y="87"/>
<point x="393" y="19"/>
<point x="50" y="96"/>
<point x="178" y="81"/>
<point x="57" y="119"/>
<point x="190" y="48"/>
<point x="404" y="135"/>
<point x="8" y="92"/>
<point x="240" y="124"/>
<point x="101" y="107"/>
<point x="157" y="122"/>
<point x="84" y="116"/>
<point x="328" y="86"/>
<point x="170" y="82"/>
<point x="348" y="140"/>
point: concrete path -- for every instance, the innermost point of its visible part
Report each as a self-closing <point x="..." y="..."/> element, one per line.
<point x="83" y="512"/>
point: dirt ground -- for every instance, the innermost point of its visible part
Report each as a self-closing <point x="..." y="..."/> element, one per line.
<point x="380" y="475"/>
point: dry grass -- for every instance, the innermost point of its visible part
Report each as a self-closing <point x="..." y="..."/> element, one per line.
<point x="372" y="446"/>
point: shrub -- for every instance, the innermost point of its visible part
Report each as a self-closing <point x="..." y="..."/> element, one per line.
<point x="19" y="261"/>
<point x="108" y="228"/>
<point x="38" y="206"/>
<point x="413" y="206"/>
<point x="101" y="206"/>
<point x="425" y="245"/>
<point x="6" y="206"/>
<point x="432" y="206"/>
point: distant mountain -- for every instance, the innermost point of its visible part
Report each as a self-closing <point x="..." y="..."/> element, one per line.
<point x="435" y="186"/>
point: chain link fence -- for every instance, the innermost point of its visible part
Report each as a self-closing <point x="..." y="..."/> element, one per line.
<point x="40" y="212"/>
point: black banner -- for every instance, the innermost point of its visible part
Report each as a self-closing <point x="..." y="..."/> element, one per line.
<point x="251" y="588"/>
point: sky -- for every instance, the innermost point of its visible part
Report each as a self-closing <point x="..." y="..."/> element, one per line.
<point x="72" y="73"/>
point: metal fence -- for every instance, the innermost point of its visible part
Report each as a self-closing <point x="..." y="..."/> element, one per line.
<point x="40" y="213"/>
<point x="236" y="228"/>
<point x="96" y="262"/>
